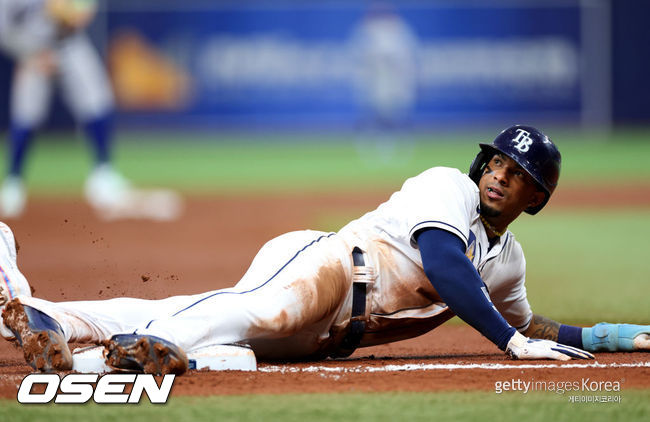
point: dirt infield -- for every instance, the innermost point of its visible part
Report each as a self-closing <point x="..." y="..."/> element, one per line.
<point x="67" y="254"/>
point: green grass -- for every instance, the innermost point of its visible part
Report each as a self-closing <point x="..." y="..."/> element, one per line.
<point x="217" y="163"/>
<point x="452" y="406"/>
<point x="587" y="266"/>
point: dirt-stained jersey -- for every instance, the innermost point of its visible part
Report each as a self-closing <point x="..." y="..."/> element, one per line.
<point x="403" y="302"/>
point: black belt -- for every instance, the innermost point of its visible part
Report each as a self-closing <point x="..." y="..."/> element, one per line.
<point x="357" y="324"/>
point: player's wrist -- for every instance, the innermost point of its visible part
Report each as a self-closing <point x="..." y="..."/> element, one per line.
<point x="571" y="336"/>
<point x="515" y="344"/>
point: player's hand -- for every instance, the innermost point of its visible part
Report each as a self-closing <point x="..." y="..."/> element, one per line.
<point x="44" y="61"/>
<point x="521" y="347"/>
<point x="642" y="342"/>
<point x="605" y="337"/>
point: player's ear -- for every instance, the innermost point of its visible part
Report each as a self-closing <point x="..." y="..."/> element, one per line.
<point x="536" y="198"/>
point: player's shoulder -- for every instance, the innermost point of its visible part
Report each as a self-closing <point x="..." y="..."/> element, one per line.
<point x="445" y="175"/>
<point x="442" y="184"/>
<point x="441" y="171"/>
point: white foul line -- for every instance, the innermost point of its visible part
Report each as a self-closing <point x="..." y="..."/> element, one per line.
<point x="443" y="366"/>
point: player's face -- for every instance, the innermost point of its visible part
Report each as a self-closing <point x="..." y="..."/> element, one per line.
<point x="506" y="189"/>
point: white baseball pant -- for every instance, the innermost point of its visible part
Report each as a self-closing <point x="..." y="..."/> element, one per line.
<point x="296" y="288"/>
<point x="80" y="73"/>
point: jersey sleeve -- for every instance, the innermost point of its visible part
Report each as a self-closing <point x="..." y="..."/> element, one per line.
<point x="441" y="198"/>
<point x="505" y="278"/>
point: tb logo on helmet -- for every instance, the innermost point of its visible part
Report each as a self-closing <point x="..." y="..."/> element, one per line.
<point x="523" y="141"/>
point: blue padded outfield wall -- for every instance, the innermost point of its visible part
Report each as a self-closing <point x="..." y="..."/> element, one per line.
<point x="305" y="64"/>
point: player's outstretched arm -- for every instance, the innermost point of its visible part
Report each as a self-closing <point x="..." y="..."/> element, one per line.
<point x="602" y="337"/>
<point x="459" y="285"/>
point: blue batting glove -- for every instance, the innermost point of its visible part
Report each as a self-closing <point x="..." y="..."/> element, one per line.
<point x="605" y="337"/>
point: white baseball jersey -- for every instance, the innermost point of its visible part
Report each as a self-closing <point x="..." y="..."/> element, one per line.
<point x="295" y="300"/>
<point x="402" y="298"/>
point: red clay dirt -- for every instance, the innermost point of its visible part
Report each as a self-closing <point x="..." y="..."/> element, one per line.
<point x="68" y="254"/>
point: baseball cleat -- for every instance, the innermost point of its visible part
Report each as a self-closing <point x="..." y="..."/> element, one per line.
<point x="44" y="346"/>
<point x="13" y="197"/>
<point x="144" y="353"/>
<point x="113" y="197"/>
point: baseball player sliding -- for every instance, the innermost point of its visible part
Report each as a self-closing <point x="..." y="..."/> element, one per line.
<point x="47" y="42"/>
<point x="439" y="247"/>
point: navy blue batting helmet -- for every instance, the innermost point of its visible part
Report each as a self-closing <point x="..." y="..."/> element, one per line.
<point x="529" y="148"/>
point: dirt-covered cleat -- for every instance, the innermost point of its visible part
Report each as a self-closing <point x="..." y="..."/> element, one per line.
<point x="144" y="353"/>
<point x="41" y="338"/>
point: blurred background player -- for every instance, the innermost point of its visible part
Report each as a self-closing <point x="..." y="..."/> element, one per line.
<point x="384" y="49"/>
<point x="47" y="42"/>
